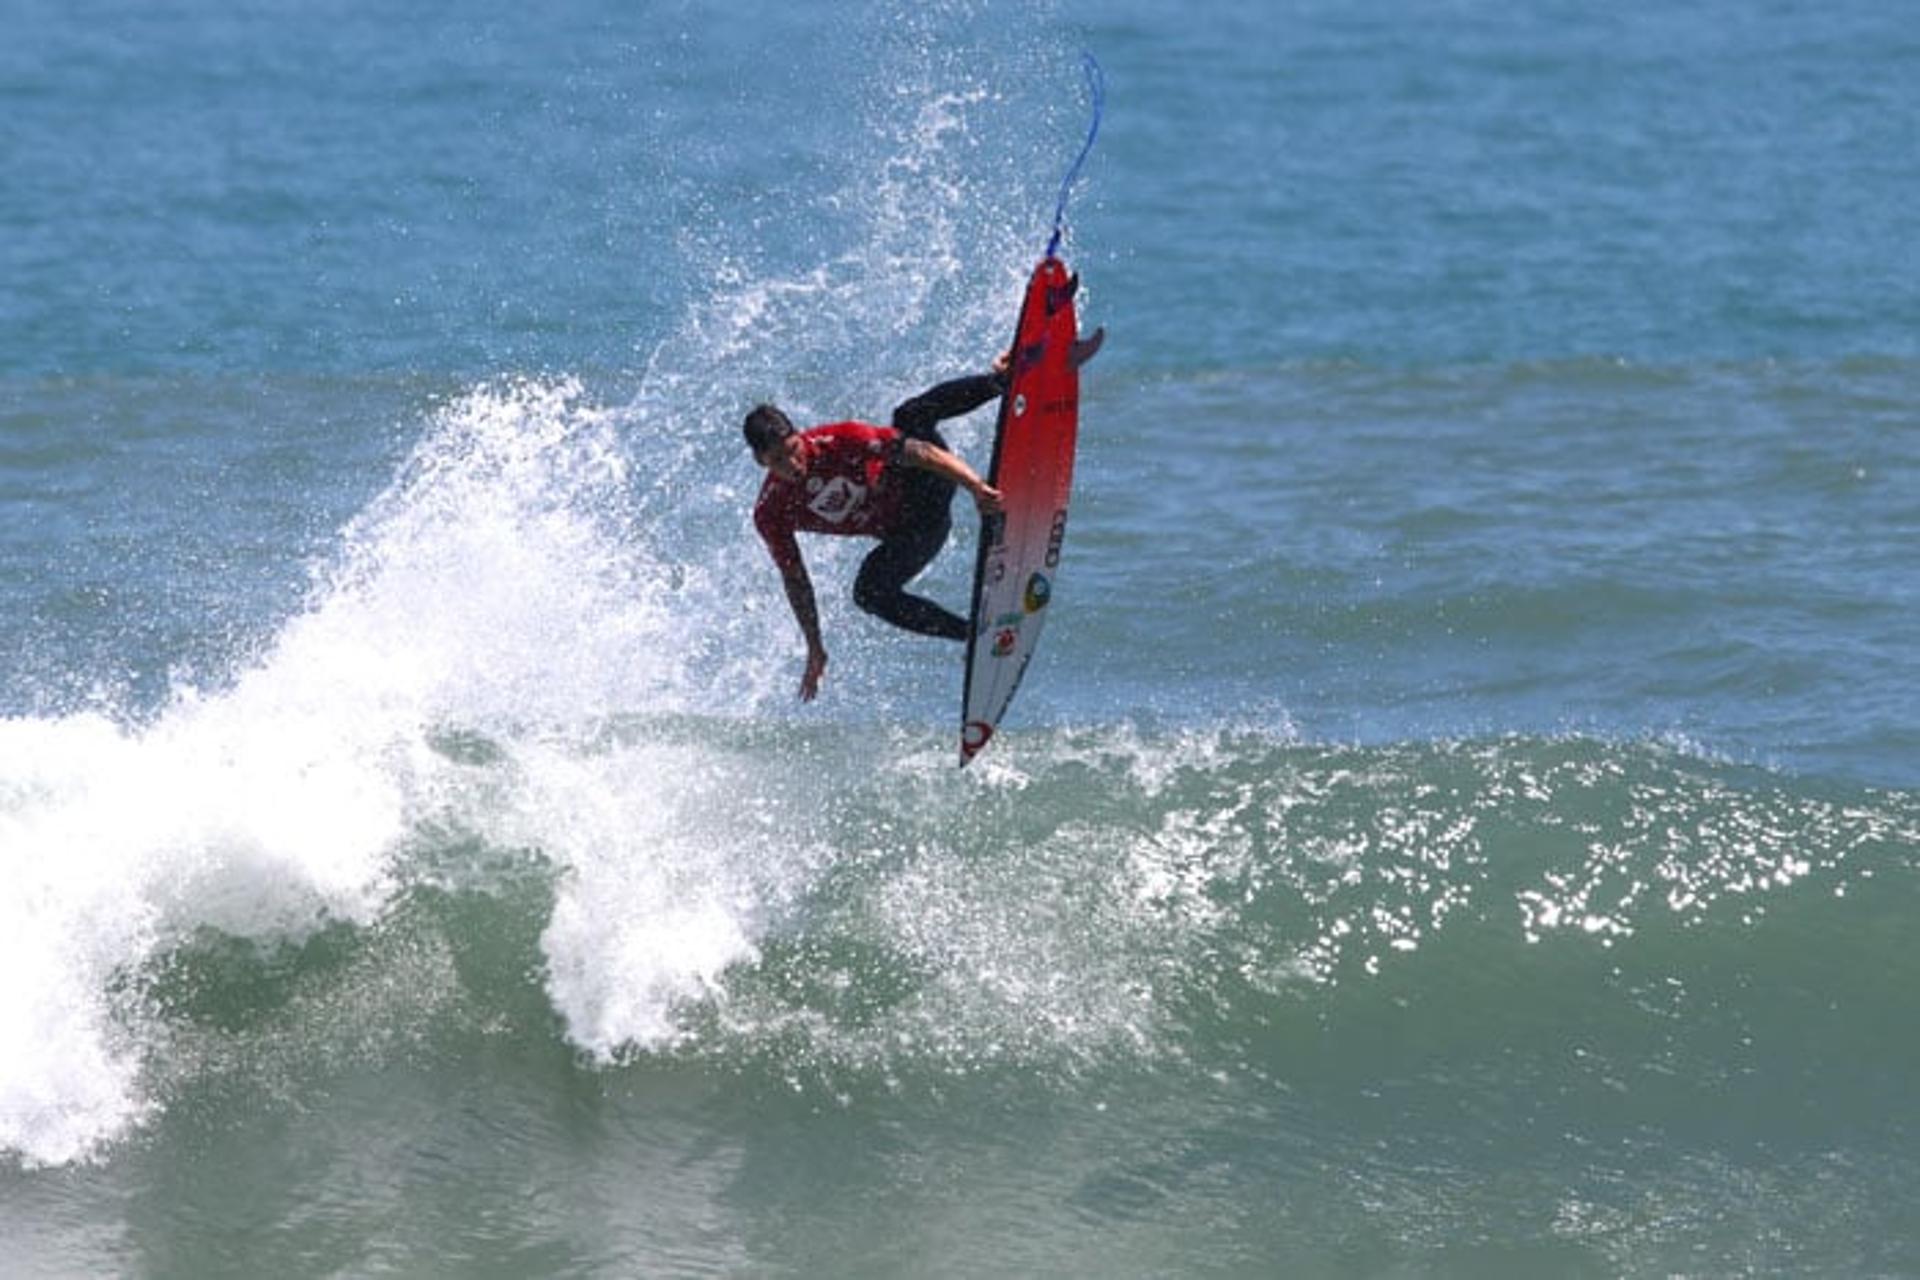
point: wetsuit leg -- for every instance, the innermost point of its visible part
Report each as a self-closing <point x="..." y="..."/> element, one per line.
<point x="917" y="417"/>
<point x="926" y="516"/>
<point x="879" y="589"/>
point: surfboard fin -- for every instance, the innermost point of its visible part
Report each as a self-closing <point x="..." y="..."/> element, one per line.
<point x="1085" y="349"/>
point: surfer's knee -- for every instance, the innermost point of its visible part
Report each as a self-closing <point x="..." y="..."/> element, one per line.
<point x="874" y="593"/>
<point x="910" y="422"/>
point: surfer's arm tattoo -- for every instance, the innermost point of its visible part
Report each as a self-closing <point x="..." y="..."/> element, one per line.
<point x="805" y="611"/>
<point x="807" y="614"/>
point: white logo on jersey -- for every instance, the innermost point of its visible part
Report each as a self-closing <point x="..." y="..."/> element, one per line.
<point x="837" y="500"/>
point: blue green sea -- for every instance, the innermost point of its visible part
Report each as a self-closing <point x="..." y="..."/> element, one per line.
<point x="1463" y="820"/>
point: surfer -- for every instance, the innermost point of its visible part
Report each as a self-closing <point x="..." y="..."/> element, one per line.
<point x="854" y="479"/>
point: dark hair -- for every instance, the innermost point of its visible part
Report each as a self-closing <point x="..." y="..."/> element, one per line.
<point x="765" y="427"/>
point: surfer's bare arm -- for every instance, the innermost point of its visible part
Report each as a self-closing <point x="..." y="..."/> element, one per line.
<point x="800" y="595"/>
<point x="931" y="457"/>
<point x="916" y="419"/>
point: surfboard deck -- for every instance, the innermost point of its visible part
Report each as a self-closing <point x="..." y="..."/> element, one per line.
<point x="1033" y="448"/>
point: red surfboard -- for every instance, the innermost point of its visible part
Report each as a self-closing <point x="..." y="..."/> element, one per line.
<point x="1033" y="445"/>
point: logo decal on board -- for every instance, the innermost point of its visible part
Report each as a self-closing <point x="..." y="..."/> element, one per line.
<point x="1039" y="591"/>
<point x="1004" y="641"/>
<point x="1055" y="536"/>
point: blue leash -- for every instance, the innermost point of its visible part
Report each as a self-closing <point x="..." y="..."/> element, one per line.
<point x="1097" y="88"/>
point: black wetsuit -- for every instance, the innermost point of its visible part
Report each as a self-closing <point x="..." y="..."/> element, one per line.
<point x="926" y="517"/>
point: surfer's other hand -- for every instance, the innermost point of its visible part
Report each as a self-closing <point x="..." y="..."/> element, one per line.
<point x="810" y="680"/>
<point x="989" y="500"/>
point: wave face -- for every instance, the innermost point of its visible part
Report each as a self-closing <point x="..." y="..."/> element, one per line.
<point x="826" y="904"/>
<point x="1586" y="987"/>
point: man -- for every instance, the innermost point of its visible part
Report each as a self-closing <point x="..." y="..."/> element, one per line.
<point x="853" y="479"/>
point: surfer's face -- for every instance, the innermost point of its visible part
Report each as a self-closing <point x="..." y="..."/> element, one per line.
<point x="786" y="458"/>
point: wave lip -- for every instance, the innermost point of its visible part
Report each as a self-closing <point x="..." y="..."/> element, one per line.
<point x="122" y="843"/>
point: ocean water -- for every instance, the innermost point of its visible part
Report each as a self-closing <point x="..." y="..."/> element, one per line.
<point x="1463" y="819"/>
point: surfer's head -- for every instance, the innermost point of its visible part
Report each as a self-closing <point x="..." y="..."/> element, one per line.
<point x="775" y="444"/>
<point x="765" y="427"/>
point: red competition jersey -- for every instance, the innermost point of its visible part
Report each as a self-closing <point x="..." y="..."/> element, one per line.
<point x="850" y="489"/>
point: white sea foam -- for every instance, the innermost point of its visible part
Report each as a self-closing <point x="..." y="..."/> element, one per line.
<point x="491" y="590"/>
<point x="669" y="876"/>
<point x="118" y="843"/>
